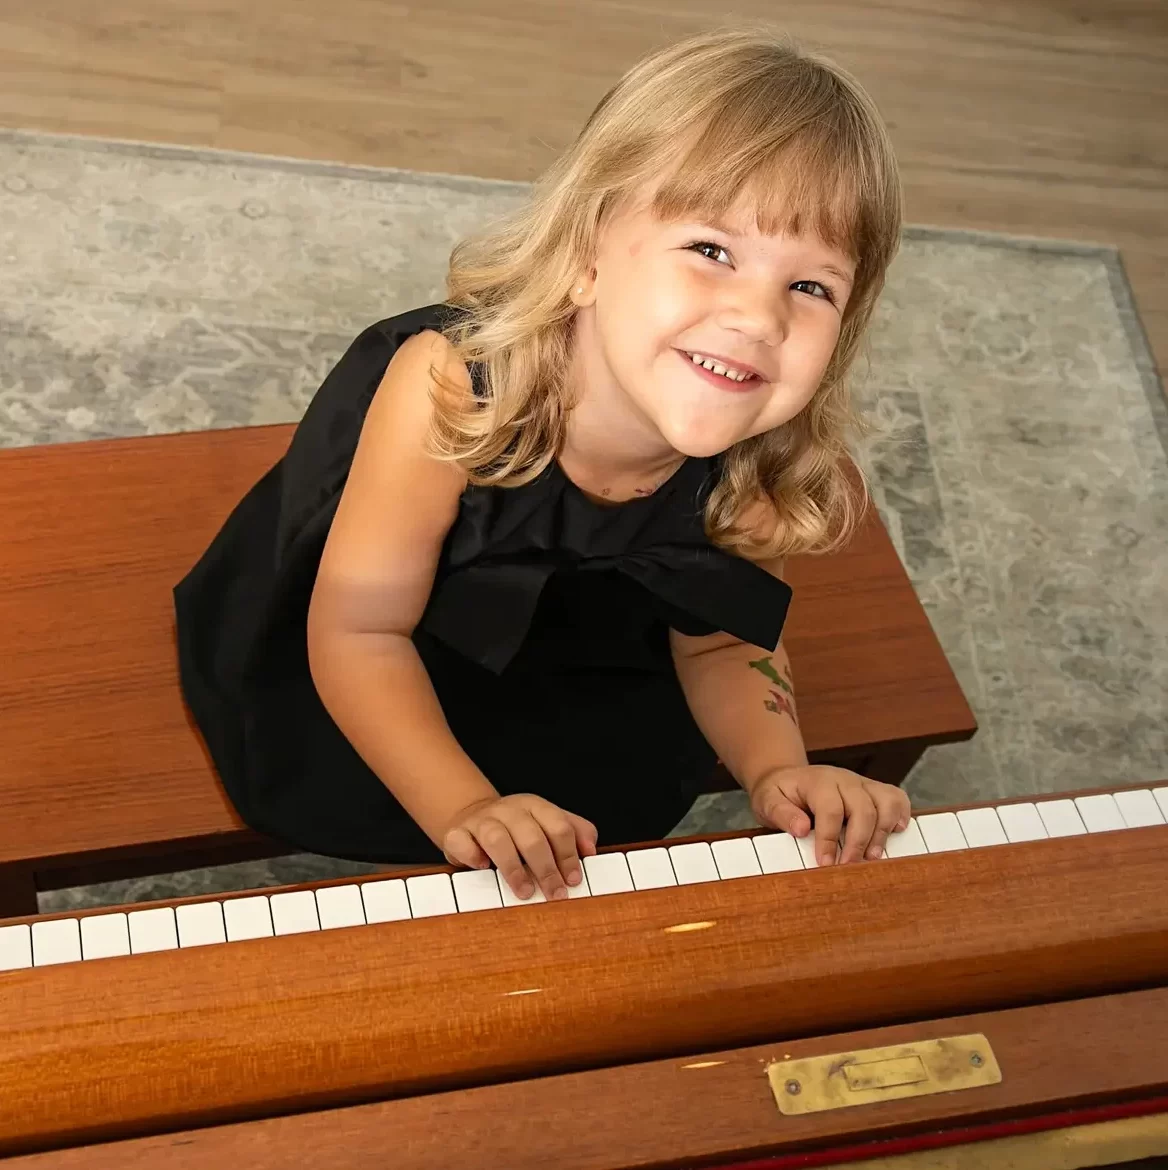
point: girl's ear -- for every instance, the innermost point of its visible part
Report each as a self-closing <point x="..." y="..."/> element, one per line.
<point x="582" y="293"/>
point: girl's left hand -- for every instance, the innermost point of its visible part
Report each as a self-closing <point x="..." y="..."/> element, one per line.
<point x="871" y="809"/>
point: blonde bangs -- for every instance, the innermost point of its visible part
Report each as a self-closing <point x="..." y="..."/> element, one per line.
<point x="795" y="186"/>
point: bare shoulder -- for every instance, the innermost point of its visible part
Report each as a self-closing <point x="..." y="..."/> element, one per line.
<point x="398" y="420"/>
<point x="442" y="354"/>
<point x="419" y="368"/>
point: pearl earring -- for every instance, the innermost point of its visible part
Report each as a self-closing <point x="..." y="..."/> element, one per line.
<point x="580" y="289"/>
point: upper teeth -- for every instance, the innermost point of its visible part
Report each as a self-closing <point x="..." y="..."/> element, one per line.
<point x="710" y="364"/>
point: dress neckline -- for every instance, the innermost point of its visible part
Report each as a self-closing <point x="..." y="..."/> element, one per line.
<point x="616" y="505"/>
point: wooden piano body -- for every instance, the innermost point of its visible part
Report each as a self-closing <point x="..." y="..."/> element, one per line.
<point x="648" y="1028"/>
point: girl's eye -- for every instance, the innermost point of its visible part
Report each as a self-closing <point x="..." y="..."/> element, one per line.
<point x="708" y="244"/>
<point x="827" y="294"/>
<point x="824" y="294"/>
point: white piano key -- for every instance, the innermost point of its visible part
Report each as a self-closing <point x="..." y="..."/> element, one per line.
<point x="246" y="918"/>
<point x="293" y="912"/>
<point x="1161" y="795"/>
<point x="385" y="901"/>
<point x="58" y="941"/>
<point x="806" y="847"/>
<point x="693" y="863"/>
<point x="651" y="869"/>
<point x="735" y="858"/>
<point x="1021" y="822"/>
<point x="608" y="873"/>
<point x="942" y="832"/>
<point x="15" y="947"/>
<point x="510" y="898"/>
<point x="152" y="930"/>
<point x="777" y="852"/>
<point x="431" y="894"/>
<point x="200" y="924"/>
<point x="807" y="850"/>
<point x="104" y="936"/>
<point x="906" y="843"/>
<point x="1139" y="809"/>
<point x="338" y="906"/>
<point x="580" y="890"/>
<point x="476" y="889"/>
<point x="1060" y="818"/>
<point x="981" y="827"/>
<point x="1100" y="813"/>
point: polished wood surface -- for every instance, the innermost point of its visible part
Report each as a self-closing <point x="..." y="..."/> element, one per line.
<point x="100" y="758"/>
<point x="1039" y="119"/>
<point x="705" y="1108"/>
<point x="260" y="1028"/>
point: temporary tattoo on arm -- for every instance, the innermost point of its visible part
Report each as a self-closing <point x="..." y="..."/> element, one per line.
<point x="767" y="670"/>
<point x="778" y="702"/>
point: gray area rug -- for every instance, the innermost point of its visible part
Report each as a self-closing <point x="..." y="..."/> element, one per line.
<point x="150" y="289"/>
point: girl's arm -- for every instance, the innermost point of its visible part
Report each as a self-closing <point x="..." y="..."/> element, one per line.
<point x="372" y="586"/>
<point x="743" y="699"/>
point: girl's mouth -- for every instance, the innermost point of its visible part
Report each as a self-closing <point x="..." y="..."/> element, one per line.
<point x="721" y="381"/>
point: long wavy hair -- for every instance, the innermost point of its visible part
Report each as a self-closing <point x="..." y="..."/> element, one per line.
<point x="733" y="111"/>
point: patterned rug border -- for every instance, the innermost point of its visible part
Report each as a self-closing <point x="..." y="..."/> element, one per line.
<point x="1108" y="254"/>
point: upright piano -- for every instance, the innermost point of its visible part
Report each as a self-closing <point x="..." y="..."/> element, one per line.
<point x="995" y="987"/>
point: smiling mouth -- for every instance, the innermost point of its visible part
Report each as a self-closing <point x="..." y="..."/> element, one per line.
<point x="719" y="380"/>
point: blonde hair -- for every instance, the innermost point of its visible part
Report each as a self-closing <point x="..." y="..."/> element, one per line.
<point x="735" y="110"/>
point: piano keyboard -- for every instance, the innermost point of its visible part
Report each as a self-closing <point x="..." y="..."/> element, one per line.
<point x="100" y="935"/>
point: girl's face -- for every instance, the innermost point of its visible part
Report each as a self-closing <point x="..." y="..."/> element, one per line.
<point x="665" y="291"/>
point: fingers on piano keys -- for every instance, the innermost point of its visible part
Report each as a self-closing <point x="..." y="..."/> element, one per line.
<point x="193" y="924"/>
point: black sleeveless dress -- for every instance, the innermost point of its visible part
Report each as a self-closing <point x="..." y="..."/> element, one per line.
<point x="545" y="637"/>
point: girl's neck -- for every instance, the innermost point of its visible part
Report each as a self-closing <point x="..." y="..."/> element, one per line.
<point x="609" y="441"/>
<point x="599" y="444"/>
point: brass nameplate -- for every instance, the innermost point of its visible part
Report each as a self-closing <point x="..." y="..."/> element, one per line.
<point x="818" y="1083"/>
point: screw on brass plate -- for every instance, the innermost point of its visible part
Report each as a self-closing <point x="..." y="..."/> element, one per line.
<point x="793" y="1087"/>
<point x="975" y="1058"/>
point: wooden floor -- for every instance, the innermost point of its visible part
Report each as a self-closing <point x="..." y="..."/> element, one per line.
<point x="1046" y="117"/>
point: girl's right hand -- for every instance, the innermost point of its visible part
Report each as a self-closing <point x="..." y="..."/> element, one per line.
<point x="518" y="830"/>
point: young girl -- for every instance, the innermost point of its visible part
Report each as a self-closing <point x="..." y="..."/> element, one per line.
<point x="516" y="585"/>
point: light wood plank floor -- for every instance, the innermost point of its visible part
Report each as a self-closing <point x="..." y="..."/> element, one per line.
<point x="1048" y="117"/>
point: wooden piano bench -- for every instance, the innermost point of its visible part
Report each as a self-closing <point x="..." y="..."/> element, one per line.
<point x="102" y="774"/>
